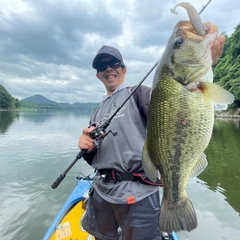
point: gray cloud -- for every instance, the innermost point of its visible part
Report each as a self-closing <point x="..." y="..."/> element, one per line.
<point x="47" y="47"/>
<point x="55" y="33"/>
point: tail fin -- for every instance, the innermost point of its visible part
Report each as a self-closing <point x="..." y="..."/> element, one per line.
<point x="177" y="217"/>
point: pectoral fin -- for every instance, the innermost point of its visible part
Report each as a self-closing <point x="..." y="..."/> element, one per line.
<point x="217" y="94"/>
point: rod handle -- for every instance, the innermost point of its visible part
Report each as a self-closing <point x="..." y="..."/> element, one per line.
<point x="58" y="181"/>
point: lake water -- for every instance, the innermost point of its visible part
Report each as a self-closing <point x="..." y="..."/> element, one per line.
<point x="36" y="147"/>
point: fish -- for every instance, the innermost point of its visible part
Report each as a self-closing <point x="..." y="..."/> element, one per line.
<point x="181" y="118"/>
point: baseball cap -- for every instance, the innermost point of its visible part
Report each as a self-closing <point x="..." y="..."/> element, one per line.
<point x="106" y="50"/>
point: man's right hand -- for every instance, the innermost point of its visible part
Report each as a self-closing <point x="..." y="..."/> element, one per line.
<point x="85" y="141"/>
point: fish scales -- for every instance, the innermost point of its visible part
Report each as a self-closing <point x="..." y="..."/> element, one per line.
<point x="181" y="139"/>
<point x="177" y="131"/>
<point x="180" y="120"/>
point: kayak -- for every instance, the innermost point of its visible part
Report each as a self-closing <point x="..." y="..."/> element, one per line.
<point x="67" y="224"/>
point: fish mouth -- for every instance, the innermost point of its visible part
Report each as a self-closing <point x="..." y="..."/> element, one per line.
<point x="190" y="33"/>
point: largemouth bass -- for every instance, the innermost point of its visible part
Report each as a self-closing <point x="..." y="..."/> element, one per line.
<point x="180" y="119"/>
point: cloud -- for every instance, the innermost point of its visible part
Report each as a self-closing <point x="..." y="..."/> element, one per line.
<point x="47" y="46"/>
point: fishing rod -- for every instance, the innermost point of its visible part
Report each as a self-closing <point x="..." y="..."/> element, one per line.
<point x="204" y="6"/>
<point x="99" y="131"/>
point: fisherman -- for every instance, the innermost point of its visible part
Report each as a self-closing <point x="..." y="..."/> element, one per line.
<point x="122" y="195"/>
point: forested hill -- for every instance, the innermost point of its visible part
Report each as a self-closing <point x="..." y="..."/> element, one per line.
<point x="40" y="102"/>
<point x="38" y="99"/>
<point x="7" y="101"/>
<point x="227" y="70"/>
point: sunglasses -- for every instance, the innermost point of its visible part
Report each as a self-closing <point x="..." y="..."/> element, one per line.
<point x="114" y="64"/>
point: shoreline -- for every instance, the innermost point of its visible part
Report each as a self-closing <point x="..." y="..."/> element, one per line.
<point x="216" y="115"/>
<point x="220" y="116"/>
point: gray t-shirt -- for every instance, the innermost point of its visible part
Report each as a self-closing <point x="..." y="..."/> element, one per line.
<point x="124" y="151"/>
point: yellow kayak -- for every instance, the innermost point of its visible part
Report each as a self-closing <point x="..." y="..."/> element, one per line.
<point x="67" y="224"/>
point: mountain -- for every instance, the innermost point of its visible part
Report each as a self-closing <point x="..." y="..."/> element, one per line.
<point x="38" y="99"/>
<point x="40" y="102"/>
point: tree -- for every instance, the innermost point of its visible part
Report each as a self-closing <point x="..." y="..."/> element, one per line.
<point x="5" y="98"/>
<point x="227" y="70"/>
<point x="17" y="103"/>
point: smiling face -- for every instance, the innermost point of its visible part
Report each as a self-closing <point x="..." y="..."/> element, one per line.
<point x="111" y="77"/>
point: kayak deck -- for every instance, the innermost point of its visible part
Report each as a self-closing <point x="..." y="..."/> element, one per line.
<point x="67" y="224"/>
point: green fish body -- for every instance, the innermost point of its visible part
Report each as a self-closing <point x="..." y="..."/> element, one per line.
<point x="180" y="121"/>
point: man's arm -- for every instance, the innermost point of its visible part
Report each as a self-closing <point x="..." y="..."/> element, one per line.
<point x="141" y="97"/>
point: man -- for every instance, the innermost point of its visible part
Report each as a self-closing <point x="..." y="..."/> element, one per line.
<point x="122" y="195"/>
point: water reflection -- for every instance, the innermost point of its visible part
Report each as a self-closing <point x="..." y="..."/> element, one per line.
<point x="41" y="144"/>
<point x="216" y="218"/>
<point x="6" y="120"/>
<point x="223" y="172"/>
<point x="40" y="116"/>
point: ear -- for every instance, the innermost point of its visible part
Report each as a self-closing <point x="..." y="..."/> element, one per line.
<point x="98" y="75"/>
<point x="124" y="70"/>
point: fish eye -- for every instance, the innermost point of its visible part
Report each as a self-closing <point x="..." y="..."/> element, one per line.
<point x="178" y="43"/>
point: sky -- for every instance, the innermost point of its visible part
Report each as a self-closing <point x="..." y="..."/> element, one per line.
<point x="47" y="46"/>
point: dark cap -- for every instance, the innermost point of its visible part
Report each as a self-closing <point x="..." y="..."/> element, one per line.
<point x="106" y="50"/>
